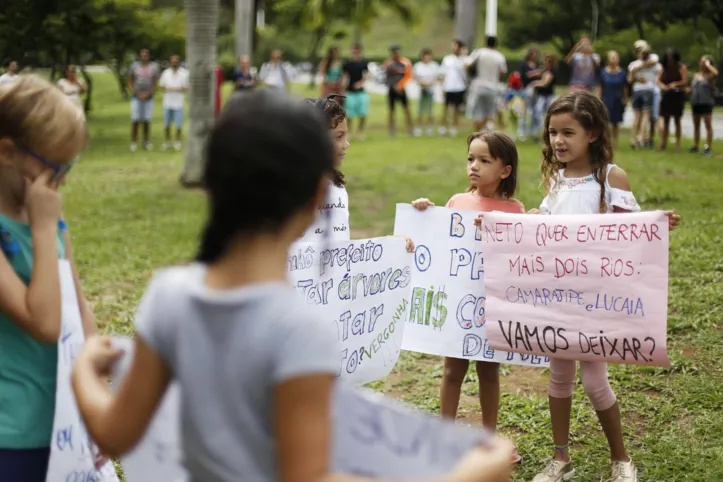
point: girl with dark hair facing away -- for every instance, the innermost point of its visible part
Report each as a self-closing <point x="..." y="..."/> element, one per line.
<point x="256" y="367"/>
<point x="492" y="173"/>
<point x="581" y="178"/>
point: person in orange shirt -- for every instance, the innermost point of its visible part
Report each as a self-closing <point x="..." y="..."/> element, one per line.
<point x="399" y="72"/>
<point x="492" y="161"/>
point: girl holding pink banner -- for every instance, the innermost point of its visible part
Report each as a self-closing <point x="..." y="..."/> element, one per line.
<point x="580" y="178"/>
<point x="492" y="172"/>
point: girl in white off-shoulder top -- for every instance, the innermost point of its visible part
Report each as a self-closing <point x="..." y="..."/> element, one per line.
<point x="581" y="178"/>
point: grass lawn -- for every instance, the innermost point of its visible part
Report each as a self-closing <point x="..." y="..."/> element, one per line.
<point x="128" y="216"/>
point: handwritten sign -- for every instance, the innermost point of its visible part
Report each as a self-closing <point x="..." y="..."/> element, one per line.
<point x="333" y="218"/>
<point x="363" y="287"/>
<point x="447" y="313"/>
<point x="72" y="453"/>
<point x="372" y="436"/>
<point x="377" y="437"/>
<point x="581" y="287"/>
<point x="157" y="457"/>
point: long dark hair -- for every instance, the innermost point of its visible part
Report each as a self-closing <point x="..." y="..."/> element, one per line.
<point x="265" y="158"/>
<point x="591" y="114"/>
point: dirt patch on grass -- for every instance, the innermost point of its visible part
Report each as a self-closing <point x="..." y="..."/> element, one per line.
<point x="526" y="381"/>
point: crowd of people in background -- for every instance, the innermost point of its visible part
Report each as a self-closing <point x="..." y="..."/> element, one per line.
<point x="476" y="85"/>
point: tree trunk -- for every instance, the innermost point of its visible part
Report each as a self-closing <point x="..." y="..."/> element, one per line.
<point x="201" y="32"/>
<point x="245" y="26"/>
<point x="87" y="106"/>
<point x="465" y="13"/>
<point x="639" y="27"/>
<point x="319" y="34"/>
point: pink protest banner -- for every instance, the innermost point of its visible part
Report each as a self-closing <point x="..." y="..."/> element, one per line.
<point x="578" y="287"/>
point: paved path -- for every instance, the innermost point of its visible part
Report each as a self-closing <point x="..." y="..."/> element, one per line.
<point x="413" y="93"/>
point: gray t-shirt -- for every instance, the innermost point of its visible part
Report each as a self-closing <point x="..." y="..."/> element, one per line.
<point x="144" y="76"/>
<point x="228" y="350"/>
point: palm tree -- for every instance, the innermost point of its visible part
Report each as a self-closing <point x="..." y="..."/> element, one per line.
<point x="201" y="31"/>
<point x="465" y="13"/>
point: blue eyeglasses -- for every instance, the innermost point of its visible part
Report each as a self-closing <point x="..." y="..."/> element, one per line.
<point x="59" y="170"/>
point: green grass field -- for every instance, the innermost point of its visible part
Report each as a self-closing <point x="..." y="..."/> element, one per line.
<point x="128" y="216"/>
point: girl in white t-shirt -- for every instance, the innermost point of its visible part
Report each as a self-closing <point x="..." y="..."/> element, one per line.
<point x="72" y="86"/>
<point x="334" y="213"/>
<point x="581" y="178"/>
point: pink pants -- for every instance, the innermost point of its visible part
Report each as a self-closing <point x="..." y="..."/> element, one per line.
<point x="594" y="380"/>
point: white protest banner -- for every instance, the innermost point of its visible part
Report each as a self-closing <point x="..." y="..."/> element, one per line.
<point x="363" y="287"/>
<point x="447" y="312"/>
<point x="378" y="437"/>
<point x="332" y="220"/>
<point x="372" y="436"/>
<point x="72" y="453"/>
<point x="157" y="457"/>
<point x="581" y="287"/>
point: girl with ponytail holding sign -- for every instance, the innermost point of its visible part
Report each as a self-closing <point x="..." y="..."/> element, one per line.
<point x="41" y="133"/>
<point x="255" y="368"/>
<point x="492" y="172"/>
<point x="581" y="178"/>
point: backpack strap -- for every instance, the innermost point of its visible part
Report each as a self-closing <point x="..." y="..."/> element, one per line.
<point x="9" y="246"/>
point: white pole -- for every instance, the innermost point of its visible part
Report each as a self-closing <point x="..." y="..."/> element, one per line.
<point x="491" y="18"/>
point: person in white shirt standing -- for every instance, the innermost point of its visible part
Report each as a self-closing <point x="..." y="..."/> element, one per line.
<point x="72" y="86"/>
<point x="426" y="74"/>
<point x="11" y="73"/>
<point x="274" y="73"/>
<point x="454" y="85"/>
<point x="491" y="66"/>
<point x="643" y="75"/>
<point x="174" y="82"/>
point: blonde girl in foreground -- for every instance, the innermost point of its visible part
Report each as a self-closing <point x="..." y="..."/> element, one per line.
<point x="41" y="134"/>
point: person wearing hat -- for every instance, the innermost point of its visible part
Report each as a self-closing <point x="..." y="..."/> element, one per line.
<point x="643" y="76"/>
<point x="399" y="72"/>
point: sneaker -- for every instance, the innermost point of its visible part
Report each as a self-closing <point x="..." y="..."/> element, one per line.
<point x="177" y="145"/>
<point x="148" y="146"/>
<point x="624" y="472"/>
<point x="430" y="132"/>
<point x="164" y="147"/>
<point x="556" y="471"/>
<point x="134" y="147"/>
<point x="694" y="150"/>
<point x="442" y="131"/>
<point x="453" y="132"/>
<point x="417" y="132"/>
<point x="707" y="151"/>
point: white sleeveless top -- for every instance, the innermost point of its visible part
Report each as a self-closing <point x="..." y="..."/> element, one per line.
<point x="581" y="195"/>
<point x="334" y="215"/>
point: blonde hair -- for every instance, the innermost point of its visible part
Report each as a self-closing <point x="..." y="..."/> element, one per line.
<point x="39" y="117"/>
